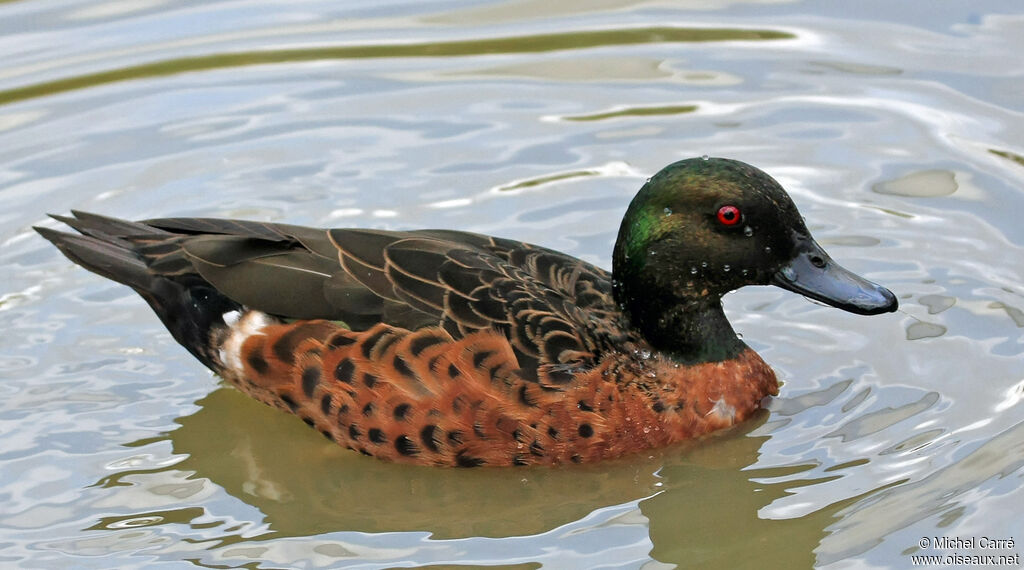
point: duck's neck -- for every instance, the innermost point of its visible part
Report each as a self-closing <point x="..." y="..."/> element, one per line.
<point x="690" y="332"/>
<point x="673" y="305"/>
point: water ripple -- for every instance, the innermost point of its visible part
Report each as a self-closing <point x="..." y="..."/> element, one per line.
<point x="575" y="40"/>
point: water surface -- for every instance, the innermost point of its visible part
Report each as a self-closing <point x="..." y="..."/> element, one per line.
<point x="898" y="129"/>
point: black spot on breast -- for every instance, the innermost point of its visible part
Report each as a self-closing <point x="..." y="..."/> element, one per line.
<point x="368" y="409"/>
<point x="328" y="435"/>
<point x="517" y="434"/>
<point x="658" y="407"/>
<point x="353" y="432"/>
<point x="455" y="437"/>
<point x="537" y="449"/>
<point x="385" y="343"/>
<point x="288" y="401"/>
<point x="256" y="361"/>
<point x="344" y="371"/>
<point x="377" y="436"/>
<point x="576" y="459"/>
<point x="552" y="433"/>
<point x="585" y="430"/>
<point x="463" y="460"/>
<point x="429" y="435"/>
<point x="480" y="357"/>
<point x="402" y="411"/>
<point x="403" y="367"/>
<point x="325" y="404"/>
<point x="308" y="422"/>
<point x="519" y="460"/>
<point x="339" y="340"/>
<point x="453" y="372"/>
<point x="369" y="380"/>
<point x="525" y="398"/>
<point x="421" y="343"/>
<point x="372" y="341"/>
<point x="405" y="446"/>
<point x="343" y="410"/>
<point x="310" y="380"/>
<point x="285" y="345"/>
<point x="583" y="406"/>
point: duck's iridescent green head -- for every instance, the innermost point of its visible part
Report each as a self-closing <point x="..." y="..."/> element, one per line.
<point x="703" y="227"/>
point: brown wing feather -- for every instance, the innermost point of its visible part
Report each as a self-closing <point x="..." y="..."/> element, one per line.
<point x="554" y="308"/>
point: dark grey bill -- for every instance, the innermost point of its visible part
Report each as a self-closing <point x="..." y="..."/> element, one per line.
<point x="812" y="273"/>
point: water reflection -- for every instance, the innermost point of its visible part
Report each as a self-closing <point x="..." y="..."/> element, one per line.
<point x="306" y="486"/>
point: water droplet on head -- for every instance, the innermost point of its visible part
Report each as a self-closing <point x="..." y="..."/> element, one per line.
<point x="645" y="354"/>
<point x="651" y="252"/>
<point x="748" y="231"/>
<point x="705" y="157"/>
<point x="668" y="211"/>
<point x="726" y="268"/>
<point x="745" y="272"/>
<point x="704" y="264"/>
<point x="693" y="271"/>
<point x="767" y="249"/>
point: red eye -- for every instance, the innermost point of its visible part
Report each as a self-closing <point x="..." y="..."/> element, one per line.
<point x="729" y="215"/>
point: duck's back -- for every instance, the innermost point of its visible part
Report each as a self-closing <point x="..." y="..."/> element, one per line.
<point x="553" y="308"/>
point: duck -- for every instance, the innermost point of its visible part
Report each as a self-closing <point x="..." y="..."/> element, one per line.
<point x="450" y="348"/>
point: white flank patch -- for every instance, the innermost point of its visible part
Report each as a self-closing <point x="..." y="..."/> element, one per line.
<point x="241" y="326"/>
<point x="231" y="317"/>
<point x="724" y="410"/>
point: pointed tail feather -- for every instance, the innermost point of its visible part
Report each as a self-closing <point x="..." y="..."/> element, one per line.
<point x="109" y="258"/>
<point x="191" y="309"/>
